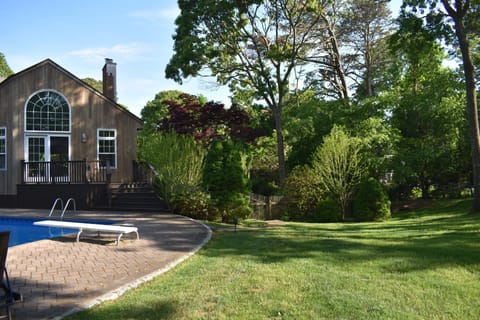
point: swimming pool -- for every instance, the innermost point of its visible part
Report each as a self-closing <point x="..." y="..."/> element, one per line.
<point x="23" y="231"/>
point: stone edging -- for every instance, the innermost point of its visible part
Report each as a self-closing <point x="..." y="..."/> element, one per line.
<point x="112" y="295"/>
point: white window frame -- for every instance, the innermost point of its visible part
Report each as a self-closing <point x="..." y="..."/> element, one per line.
<point x="47" y="137"/>
<point x="41" y="131"/>
<point x="4" y="139"/>
<point x="114" y="138"/>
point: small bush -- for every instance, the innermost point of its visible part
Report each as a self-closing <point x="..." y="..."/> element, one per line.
<point x="328" y="210"/>
<point x="239" y="208"/>
<point x="301" y="192"/>
<point x="372" y="202"/>
<point x="193" y="204"/>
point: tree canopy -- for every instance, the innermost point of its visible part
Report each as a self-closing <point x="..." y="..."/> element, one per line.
<point x="5" y="70"/>
<point x="209" y="121"/>
<point x="157" y="109"/>
<point x="252" y="46"/>
<point x="94" y="83"/>
<point x="315" y="65"/>
<point x="457" y="23"/>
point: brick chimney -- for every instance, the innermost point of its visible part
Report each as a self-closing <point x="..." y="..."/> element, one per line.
<point x="110" y="79"/>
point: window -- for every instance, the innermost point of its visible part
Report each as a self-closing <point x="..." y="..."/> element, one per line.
<point x="47" y="111"/>
<point x="107" y="147"/>
<point x="3" y="148"/>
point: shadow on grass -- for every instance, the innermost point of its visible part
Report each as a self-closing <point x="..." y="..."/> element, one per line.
<point x="427" y="240"/>
<point x="152" y="311"/>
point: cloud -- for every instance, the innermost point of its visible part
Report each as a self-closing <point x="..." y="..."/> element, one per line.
<point x="127" y="52"/>
<point x="160" y="14"/>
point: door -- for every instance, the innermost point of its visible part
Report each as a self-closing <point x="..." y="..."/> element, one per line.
<point x="59" y="158"/>
<point x="36" y="170"/>
<point x="48" y="158"/>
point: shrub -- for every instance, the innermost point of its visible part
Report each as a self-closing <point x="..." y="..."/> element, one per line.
<point x="328" y="210"/>
<point x="178" y="160"/>
<point x="264" y="171"/>
<point x="372" y="202"/>
<point x="193" y="204"/>
<point x="301" y="192"/>
<point x="225" y="178"/>
<point x="339" y="166"/>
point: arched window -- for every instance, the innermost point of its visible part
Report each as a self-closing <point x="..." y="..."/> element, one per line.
<point x="47" y="111"/>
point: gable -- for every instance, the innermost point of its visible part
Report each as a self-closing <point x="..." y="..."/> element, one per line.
<point x="33" y="129"/>
<point x="49" y="75"/>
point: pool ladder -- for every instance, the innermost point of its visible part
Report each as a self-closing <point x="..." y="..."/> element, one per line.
<point x="64" y="209"/>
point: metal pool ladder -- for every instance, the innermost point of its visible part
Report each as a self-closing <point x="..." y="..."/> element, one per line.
<point x="55" y="204"/>
<point x="64" y="209"/>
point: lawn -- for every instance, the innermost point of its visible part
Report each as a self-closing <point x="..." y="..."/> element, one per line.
<point x="422" y="264"/>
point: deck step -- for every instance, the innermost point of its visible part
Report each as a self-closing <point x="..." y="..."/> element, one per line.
<point x="136" y="196"/>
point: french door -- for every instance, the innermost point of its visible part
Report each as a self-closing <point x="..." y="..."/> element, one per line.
<point x="47" y="157"/>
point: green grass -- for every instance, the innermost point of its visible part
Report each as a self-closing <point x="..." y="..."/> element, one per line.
<point x="244" y="223"/>
<point x="419" y="265"/>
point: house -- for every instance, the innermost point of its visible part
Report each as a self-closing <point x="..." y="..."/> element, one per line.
<point x="59" y="137"/>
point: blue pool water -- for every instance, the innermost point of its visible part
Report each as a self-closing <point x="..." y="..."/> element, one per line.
<point x="22" y="230"/>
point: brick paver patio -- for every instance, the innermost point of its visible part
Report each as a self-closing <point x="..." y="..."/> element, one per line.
<point x="59" y="276"/>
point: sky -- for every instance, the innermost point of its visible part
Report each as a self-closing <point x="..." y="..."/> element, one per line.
<point x="79" y="35"/>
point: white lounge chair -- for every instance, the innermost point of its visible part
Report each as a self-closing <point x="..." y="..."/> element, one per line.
<point x="81" y="226"/>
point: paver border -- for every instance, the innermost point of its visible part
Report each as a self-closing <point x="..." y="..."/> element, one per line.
<point x="114" y="294"/>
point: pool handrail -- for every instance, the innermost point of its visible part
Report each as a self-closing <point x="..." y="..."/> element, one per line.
<point x="66" y="207"/>
<point x="55" y="204"/>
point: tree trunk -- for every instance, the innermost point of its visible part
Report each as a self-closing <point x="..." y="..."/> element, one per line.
<point x="340" y="78"/>
<point x="280" y="146"/>
<point x="425" y="191"/>
<point x="472" y="108"/>
<point x="368" y="73"/>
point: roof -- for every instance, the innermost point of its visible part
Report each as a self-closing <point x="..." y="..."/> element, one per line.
<point x="72" y="76"/>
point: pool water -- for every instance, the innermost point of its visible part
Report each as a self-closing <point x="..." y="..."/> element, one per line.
<point x="23" y="231"/>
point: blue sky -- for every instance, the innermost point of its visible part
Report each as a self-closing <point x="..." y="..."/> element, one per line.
<point x="79" y="35"/>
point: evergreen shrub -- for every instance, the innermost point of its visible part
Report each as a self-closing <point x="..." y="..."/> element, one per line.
<point x="371" y="202"/>
<point x="225" y="179"/>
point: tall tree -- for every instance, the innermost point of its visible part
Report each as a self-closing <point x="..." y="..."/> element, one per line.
<point x="250" y="45"/>
<point x="330" y="75"/>
<point x="428" y="111"/>
<point x="94" y="83"/>
<point x="365" y="25"/>
<point x="430" y="117"/>
<point x="350" y="46"/>
<point x="208" y="122"/>
<point x="5" y="70"/>
<point x="455" y="18"/>
<point x="157" y="109"/>
<point x="307" y="120"/>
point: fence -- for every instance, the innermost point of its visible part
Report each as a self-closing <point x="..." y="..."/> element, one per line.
<point x="51" y="172"/>
<point x="265" y="207"/>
